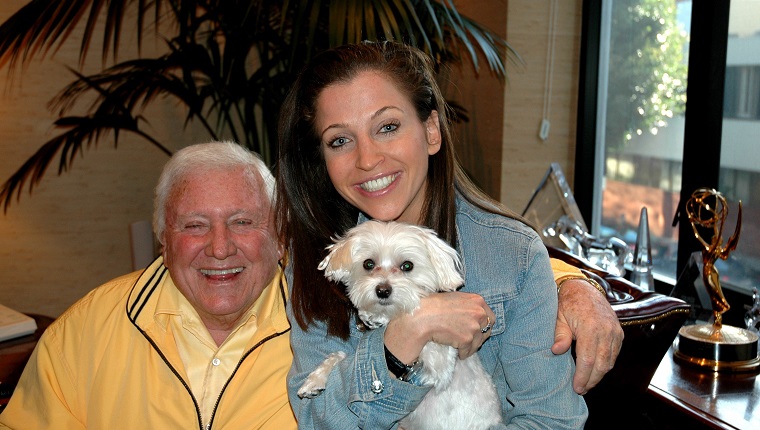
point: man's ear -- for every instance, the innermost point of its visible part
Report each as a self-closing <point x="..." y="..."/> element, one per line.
<point x="162" y="243"/>
<point x="280" y="248"/>
<point x="433" y="132"/>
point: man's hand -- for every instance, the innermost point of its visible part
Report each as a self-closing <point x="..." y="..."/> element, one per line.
<point x="585" y="315"/>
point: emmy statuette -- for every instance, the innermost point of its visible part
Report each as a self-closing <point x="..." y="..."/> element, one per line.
<point x="715" y="346"/>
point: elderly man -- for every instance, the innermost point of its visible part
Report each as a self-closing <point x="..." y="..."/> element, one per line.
<point x="199" y="339"/>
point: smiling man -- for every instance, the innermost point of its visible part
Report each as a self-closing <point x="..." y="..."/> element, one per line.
<point x="199" y="339"/>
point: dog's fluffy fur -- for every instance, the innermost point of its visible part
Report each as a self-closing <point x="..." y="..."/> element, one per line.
<point x="387" y="268"/>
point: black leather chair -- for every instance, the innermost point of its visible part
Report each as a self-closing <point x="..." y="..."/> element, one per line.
<point x="650" y="321"/>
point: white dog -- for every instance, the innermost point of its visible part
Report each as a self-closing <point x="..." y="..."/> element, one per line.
<point x="387" y="268"/>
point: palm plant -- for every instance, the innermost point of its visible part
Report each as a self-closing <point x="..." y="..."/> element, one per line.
<point x="228" y="62"/>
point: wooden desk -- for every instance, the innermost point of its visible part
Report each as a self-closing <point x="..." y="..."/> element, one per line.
<point x="718" y="400"/>
<point x="14" y="353"/>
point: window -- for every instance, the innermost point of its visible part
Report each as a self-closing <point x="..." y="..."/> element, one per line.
<point x="654" y="124"/>
<point x="742" y="92"/>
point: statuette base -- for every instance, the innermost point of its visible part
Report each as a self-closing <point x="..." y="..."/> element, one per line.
<point x="724" y="349"/>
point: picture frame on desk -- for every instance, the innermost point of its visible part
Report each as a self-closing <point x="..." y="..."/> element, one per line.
<point x="14" y="354"/>
<point x="15" y="324"/>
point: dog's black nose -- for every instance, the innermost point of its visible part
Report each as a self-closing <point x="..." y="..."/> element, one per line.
<point x="383" y="291"/>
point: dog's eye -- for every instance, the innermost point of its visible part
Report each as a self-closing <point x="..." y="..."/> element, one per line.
<point x="369" y="264"/>
<point x="406" y="266"/>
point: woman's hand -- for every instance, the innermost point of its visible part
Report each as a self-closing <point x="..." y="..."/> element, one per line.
<point x="456" y="319"/>
<point x="585" y="315"/>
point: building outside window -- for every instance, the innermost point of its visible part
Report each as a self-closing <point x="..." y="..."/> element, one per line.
<point x="640" y="137"/>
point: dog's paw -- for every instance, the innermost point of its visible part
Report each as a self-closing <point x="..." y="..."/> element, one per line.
<point x="311" y="389"/>
<point x="316" y="382"/>
<point x="373" y="324"/>
<point x="372" y="321"/>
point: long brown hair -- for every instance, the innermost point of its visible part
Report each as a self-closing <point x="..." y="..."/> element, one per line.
<point x="310" y="212"/>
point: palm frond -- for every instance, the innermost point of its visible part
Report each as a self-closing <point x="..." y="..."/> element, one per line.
<point x="42" y="26"/>
<point x="81" y="132"/>
<point x="230" y="63"/>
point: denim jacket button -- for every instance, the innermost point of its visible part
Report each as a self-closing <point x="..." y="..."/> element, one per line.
<point x="377" y="386"/>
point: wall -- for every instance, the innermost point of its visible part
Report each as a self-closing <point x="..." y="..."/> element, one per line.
<point x="499" y="146"/>
<point x="480" y="140"/>
<point x="526" y="157"/>
<point x="71" y="234"/>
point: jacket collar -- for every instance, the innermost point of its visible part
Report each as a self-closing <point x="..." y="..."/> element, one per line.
<point x="142" y="301"/>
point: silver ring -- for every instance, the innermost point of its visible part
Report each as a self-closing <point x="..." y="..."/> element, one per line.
<point x="488" y="325"/>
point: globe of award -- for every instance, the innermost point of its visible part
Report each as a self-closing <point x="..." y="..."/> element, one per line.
<point x="715" y="346"/>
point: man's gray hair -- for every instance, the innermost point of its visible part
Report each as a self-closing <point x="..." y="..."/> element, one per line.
<point x="206" y="157"/>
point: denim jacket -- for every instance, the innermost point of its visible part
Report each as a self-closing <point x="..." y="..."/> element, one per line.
<point x="506" y="263"/>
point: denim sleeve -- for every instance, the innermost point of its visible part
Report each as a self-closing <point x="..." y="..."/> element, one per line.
<point x="535" y="385"/>
<point x="351" y="398"/>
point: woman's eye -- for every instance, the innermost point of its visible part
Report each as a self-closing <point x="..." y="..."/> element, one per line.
<point x="369" y="264"/>
<point x="406" y="266"/>
<point x="338" y="142"/>
<point x="389" y="128"/>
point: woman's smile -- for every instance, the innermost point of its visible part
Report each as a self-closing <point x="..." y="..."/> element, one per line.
<point x="379" y="184"/>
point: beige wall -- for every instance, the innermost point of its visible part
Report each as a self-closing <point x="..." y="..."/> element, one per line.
<point x="525" y="156"/>
<point x="500" y="147"/>
<point x="71" y="234"/>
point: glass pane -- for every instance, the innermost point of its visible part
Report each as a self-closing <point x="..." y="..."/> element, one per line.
<point x="740" y="147"/>
<point x="642" y="111"/>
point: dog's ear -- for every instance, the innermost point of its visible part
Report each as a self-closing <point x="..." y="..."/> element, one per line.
<point x="446" y="262"/>
<point x="337" y="263"/>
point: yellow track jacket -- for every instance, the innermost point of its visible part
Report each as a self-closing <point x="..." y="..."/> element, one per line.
<point x="106" y="364"/>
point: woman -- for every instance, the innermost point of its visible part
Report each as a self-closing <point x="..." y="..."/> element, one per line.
<point x="365" y="133"/>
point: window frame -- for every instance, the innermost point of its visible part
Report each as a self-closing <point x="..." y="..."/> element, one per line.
<point x="703" y="115"/>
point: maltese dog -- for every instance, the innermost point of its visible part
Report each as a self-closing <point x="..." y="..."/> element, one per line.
<point x="387" y="268"/>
